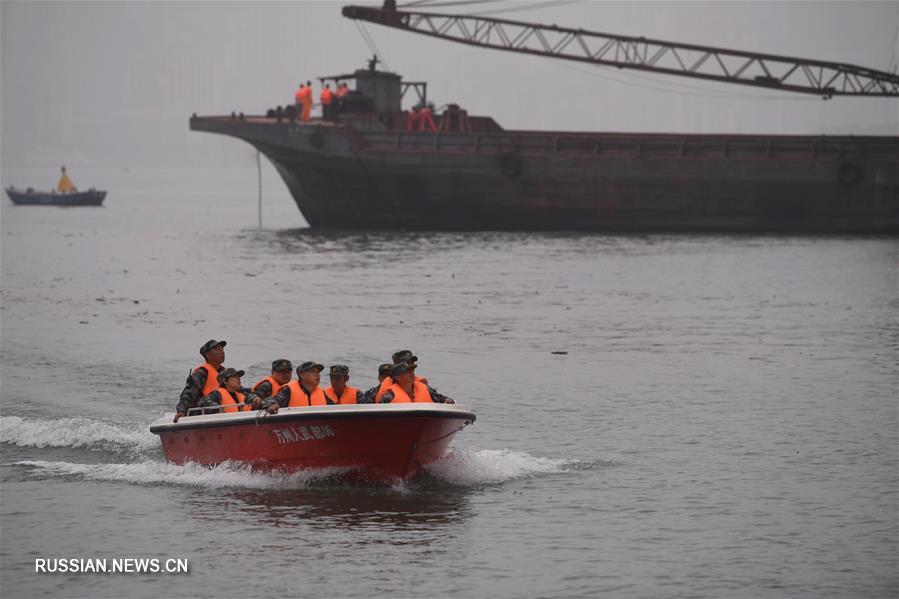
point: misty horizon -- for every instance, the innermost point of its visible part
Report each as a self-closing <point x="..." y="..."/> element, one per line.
<point x="106" y="84"/>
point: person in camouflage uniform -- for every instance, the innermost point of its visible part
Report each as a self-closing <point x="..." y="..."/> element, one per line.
<point x="384" y="371"/>
<point x="199" y="384"/>
<point x="282" y="372"/>
<point x="340" y="392"/>
<point x="404" y="378"/>
<point x="304" y="389"/>
<point x="229" y="382"/>
<point x="199" y="378"/>
<point x="404" y="356"/>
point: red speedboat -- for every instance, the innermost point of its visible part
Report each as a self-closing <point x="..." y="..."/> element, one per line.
<point x="371" y="441"/>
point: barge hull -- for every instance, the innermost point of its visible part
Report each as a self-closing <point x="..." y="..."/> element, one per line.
<point x="341" y="177"/>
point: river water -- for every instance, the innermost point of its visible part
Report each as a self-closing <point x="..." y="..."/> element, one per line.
<point x="724" y="423"/>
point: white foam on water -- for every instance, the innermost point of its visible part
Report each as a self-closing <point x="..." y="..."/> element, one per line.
<point x="226" y="475"/>
<point x="462" y="467"/>
<point x="470" y="467"/>
<point x="76" y="432"/>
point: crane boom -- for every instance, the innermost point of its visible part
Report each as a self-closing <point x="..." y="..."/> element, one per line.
<point x="687" y="60"/>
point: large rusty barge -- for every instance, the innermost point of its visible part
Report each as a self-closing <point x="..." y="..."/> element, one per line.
<point x="363" y="171"/>
<point x="364" y="167"/>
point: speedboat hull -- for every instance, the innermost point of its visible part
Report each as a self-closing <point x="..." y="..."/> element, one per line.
<point x="369" y="441"/>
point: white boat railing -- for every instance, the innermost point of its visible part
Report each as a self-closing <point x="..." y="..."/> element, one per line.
<point x="215" y="409"/>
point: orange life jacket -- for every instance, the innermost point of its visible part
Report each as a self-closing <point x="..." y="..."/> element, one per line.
<point x="420" y="392"/>
<point x="212" y="374"/>
<point x="306" y="94"/>
<point x="350" y="395"/>
<point x="326" y="96"/>
<point x="299" y="96"/>
<point x="298" y="397"/>
<point x="276" y="386"/>
<point x="387" y="383"/>
<point x="342" y="91"/>
<point x="227" y="400"/>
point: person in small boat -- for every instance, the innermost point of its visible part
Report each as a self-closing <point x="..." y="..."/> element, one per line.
<point x="339" y="392"/>
<point x="303" y="391"/>
<point x="282" y="372"/>
<point x="228" y="394"/>
<point x="384" y="371"/>
<point x="202" y="379"/>
<point x="402" y="356"/>
<point x="65" y="184"/>
<point x="406" y="389"/>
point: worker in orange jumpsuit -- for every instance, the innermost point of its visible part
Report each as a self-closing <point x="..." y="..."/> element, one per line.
<point x="413" y="119"/>
<point x="326" y="98"/>
<point x="340" y="94"/>
<point x="426" y="119"/>
<point x="307" y="101"/>
<point x="298" y="98"/>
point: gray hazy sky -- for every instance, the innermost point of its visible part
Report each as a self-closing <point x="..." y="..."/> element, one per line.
<point x="112" y="84"/>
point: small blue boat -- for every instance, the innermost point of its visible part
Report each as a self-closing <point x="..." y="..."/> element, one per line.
<point x="65" y="194"/>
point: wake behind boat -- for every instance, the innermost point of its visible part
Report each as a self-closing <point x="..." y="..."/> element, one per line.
<point x="371" y="441"/>
<point x="65" y="194"/>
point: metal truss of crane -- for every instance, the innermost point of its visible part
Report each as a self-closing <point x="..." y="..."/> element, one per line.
<point x="701" y="62"/>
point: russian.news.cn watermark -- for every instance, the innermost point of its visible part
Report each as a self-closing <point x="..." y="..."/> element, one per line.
<point x="113" y="565"/>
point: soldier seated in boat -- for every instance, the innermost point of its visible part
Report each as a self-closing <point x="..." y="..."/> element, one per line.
<point x="229" y="394"/>
<point x="303" y="391"/>
<point x="402" y="356"/>
<point x="339" y="392"/>
<point x="202" y="379"/>
<point x="384" y="371"/>
<point x="406" y="389"/>
<point x="282" y="372"/>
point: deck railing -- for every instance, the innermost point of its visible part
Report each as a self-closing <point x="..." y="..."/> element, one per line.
<point x="637" y="146"/>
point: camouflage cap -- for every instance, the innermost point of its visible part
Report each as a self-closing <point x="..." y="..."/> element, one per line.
<point x="339" y="370"/>
<point x="385" y="368"/>
<point x="210" y="344"/>
<point x="228" y="373"/>
<point x="402" y="367"/>
<point x="307" y="366"/>
<point x="404" y="355"/>
<point x="281" y="365"/>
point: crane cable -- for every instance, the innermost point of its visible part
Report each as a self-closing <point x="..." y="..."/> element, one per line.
<point x="894" y="50"/>
<point x="363" y="31"/>
<point x="529" y="6"/>
<point x="437" y="3"/>
<point x="680" y="89"/>
<point x="427" y="4"/>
